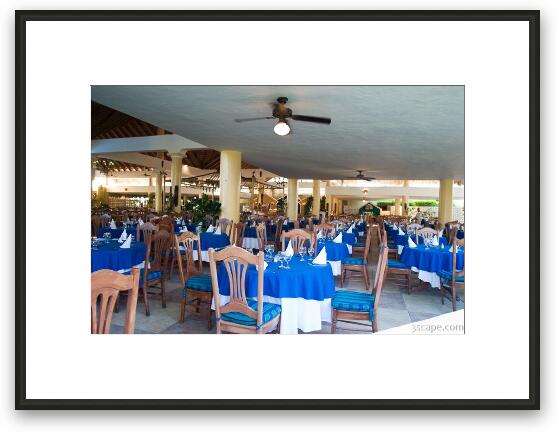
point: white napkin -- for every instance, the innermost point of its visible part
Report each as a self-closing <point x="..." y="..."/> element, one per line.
<point x="435" y="241"/>
<point x="127" y="243"/>
<point x="338" y="238"/>
<point x="400" y="232"/>
<point x="184" y="229"/>
<point x="289" y="251"/>
<point x="321" y="258"/>
<point x="440" y="233"/>
<point x="411" y="242"/>
<point x="112" y="224"/>
<point x="264" y="266"/>
<point x="218" y="231"/>
<point x="349" y="230"/>
<point x="253" y="224"/>
<point x="451" y="249"/>
<point x="210" y="229"/>
<point x="123" y="236"/>
<point x="320" y="235"/>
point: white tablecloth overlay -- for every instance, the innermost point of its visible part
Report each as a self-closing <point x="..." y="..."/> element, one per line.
<point x="297" y="313"/>
<point x="423" y="275"/>
<point x="250" y="243"/>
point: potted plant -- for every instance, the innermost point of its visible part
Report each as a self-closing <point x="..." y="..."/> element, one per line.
<point x="203" y="209"/>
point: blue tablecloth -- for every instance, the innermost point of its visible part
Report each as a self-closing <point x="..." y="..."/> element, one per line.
<point x="460" y="234"/>
<point x="402" y="240"/>
<point x="431" y="260"/>
<point x="335" y="251"/>
<point x="302" y="280"/>
<point x="210" y="240"/>
<point x="251" y="232"/>
<point x="349" y="238"/>
<point x="110" y="256"/>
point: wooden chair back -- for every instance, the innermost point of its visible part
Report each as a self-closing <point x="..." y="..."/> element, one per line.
<point x="456" y="242"/>
<point x="225" y="226"/>
<point x="238" y="234"/>
<point x="95" y="225"/>
<point x="261" y="233"/>
<point x="298" y="238"/>
<point x="278" y="233"/>
<point x="189" y="242"/>
<point x="413" y="227"/>
<point x="158" y="250"/>
<point x="380" y="274"/>
<point x="426" y="233"/>
<point x="236" y="260"/>
<point x="106" y="285"/>
<point x="327" y="228"/>
<point x="147" y="229"/>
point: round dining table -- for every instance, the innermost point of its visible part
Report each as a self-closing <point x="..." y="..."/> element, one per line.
<point x="304" y="292"/>
<point x="427" y="262"/>
<point x="109" y="255"/>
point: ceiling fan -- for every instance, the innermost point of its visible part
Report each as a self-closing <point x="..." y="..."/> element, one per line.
<point x="283" y="113"/>
<point x="360" y="176"/>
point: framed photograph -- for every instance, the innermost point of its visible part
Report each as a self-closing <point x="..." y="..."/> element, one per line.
<point x="266" y="209"/>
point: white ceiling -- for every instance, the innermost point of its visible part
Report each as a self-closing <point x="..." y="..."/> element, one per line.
<point x="395" y="132"/>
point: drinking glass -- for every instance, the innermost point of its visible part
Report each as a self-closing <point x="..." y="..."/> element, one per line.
<point x="287" y="259"/>
<point x="280" y="256"/>
<point x="302" y="253"/>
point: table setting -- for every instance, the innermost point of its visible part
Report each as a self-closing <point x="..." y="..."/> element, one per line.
<point x="116" y="254"/>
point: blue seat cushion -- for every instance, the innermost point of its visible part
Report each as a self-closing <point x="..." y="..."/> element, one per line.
<point x="397" y="264"/>
<point x="353" y="301"/>
<point x="151" y="276"/>
<point x="446" y="276"/>
<point x="354" y="261"/>
<point x="270" y="311"/>
<point x="359" y="244"/>
<point x="198" y="283"/>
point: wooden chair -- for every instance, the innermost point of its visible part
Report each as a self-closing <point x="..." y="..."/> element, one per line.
<point x="359" y="248"/>
<point x="398" y="268"/>
<point x="225" y="226"/>
<point x="453" y="279"/>
<point x="298" y="238"/>
<point x="152" y="274"/>
<point x="238" y="234"/>
<point x="356" y="305"/>
<point x="278" y="234"/>
<point x="357" y="264"/>
<point x="426" y="234"/>
<point x="144" y="230"/>
<point x="95" y="225"/>
<point x="197" y="290"/>
<point x="241" y="315"/>
<point x="106" y="285"/>
<point x="261" y="233"/>
<point x="327" y="229"/>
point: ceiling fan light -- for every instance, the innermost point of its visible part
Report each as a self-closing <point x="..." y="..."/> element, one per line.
<point x="282" y="128"/>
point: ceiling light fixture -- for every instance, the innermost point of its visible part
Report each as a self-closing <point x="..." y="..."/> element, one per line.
<point x="282" y="128"/>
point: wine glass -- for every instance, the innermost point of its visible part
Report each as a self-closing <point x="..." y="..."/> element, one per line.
<point x="280" y="256"/>
<point x="302" y="253"/>
<point x="287" y="259"/>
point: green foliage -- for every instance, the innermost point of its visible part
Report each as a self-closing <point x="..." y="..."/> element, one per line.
<point x="430" y="203"/>
<point x="282" y="203"/>
<point x="169" y="204"/>
<point x="202" y="207"/>
<point x="385" y="203"/>
<point x="323" y="203"/>
<point x="97" y="204"/>
<point x="308" y="205"/>
<point x="369" y="208"/>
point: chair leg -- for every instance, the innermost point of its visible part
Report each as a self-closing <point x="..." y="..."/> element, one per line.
<point x="117" y="304"/>
<point x="146" y="300"/>
<point x="454" y="298"/>
<point x="183" y="310"/>
<point x="409" y="282"/>
<point x="366" y="278"/>
<point x="334" y="322"/>
<point x="342" y="272"/>
<point x="374" y="325"/>
<point x="209" y="313"/>
<point x="442" y="291"/>
<point x="163" y="293"/>
<point x="278" y="326"/>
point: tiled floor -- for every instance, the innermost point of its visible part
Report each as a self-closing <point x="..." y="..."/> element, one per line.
<point x="396" y="308"/>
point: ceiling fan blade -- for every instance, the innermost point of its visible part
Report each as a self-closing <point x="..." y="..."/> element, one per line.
<point x="323" y="120"/>
<point x="369" y="178"/>
<point x="253" y="118"/>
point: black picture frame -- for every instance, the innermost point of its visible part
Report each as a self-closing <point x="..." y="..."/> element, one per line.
<point x="531" y="16"/>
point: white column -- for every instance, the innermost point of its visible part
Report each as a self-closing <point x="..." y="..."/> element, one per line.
<point x="398" y="209"/>
<point x="316" y="197"/>
<point x="158" y="193"/>
<point x="230" y="180"/>
<point x="292" y="200"/>
<point x="445" y="201"/>
<point x="405" y="199"/>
